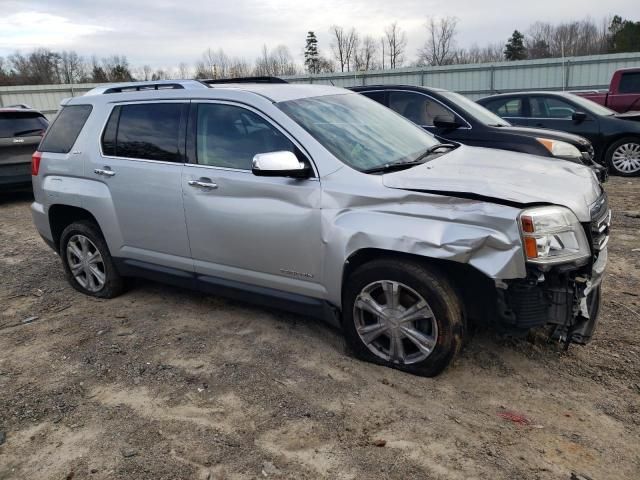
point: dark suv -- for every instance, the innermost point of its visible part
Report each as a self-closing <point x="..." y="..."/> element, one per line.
<point x="21" y="129"/>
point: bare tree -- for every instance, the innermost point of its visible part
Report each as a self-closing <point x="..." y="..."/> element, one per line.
<point x="276" y="62"/>
<point x="183" y="71"/>
<point x="475" y="54"/>
<point x="440" y="46"/>
<point x="343" y="46"/>
<point x="72" y="67"/>
<point x="365" y="54"/>
<point x="396" y="43"/>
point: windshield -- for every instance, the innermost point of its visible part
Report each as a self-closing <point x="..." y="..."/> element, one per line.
<point x="477" y="111"/>
<point x="358" y="131"/>
<point x="590" y="106"/>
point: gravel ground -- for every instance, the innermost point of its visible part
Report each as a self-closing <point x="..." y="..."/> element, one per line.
<point x="163" y="383"/>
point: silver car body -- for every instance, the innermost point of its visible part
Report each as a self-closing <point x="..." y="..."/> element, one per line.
<point x="296" y="235"/>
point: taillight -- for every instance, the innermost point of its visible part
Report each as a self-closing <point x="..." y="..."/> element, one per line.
<point x="35" y="163"/>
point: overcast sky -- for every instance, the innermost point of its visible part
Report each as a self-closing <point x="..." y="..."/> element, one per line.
<point x="163" y="33"/>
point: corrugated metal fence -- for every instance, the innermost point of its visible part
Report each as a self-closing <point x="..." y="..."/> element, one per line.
<point x="475" y="80"/>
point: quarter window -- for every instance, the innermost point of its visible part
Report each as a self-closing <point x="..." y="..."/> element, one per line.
<point x="65" y="129"/>
<point x="418" y="108"/>
<point x="229" y="136"/>
<point x="148" y="131"/>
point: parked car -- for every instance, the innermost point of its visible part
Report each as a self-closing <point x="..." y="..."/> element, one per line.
<point x="615" y="137"/>
<point x="21" y="129"/>
<point x="623" y="94"/>
<point x="454" y="117"/>
<point x="318" y="200"/>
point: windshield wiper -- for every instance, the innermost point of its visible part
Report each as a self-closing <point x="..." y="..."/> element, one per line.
<point x="434" y="149"/>
<point x="390" y="167"/>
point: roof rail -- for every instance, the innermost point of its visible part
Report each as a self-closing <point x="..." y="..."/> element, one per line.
<point x="244" y="80"/>
<point x="19" y="105"/>
<point x="145" y="86"/>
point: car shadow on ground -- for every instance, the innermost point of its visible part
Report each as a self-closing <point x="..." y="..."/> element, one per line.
<point x="8" y="197"/>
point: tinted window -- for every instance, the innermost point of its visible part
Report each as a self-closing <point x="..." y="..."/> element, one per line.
<point x="630" y="82"/>
<point x="21" y="124"/>
<point x="148" y="131"/>
<point x="376" y="96"/>
<point x="506" y="107"/>
<point x="418" y="108"/>
<point x="358" y="132"/>
<point x="65" y="129"/>
<point x="551" y="107"/>
<point x="230" y="136"/>
<point x="109" y="135"/>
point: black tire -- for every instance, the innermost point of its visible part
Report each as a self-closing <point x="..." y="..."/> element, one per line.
<point x="114" y="284"/>
<point x="610" y="160"/>
<point x="434" y="287"/>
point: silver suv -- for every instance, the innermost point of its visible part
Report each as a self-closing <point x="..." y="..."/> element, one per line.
<point x="323" y="202"/>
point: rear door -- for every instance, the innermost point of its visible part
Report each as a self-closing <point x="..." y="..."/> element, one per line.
<point x="263" y="231"/>
<point x="20" y="134"/>
<point x="514" y="109"/>
<point x="141" y="162"/>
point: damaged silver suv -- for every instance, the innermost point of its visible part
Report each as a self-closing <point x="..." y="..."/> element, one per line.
<point x="323" y="202"/>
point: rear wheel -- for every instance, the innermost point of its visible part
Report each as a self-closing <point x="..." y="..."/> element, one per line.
<point x="87" y="262"/>
<point x="623" y="157"/>
<point x="403" y="315"/>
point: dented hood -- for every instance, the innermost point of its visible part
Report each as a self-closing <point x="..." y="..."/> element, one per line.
<point x="503" y="176"/>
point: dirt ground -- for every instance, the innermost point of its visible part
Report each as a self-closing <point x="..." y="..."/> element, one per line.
<point x="163" y="383"/>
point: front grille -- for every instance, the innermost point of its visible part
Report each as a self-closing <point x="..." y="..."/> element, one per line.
<point x="600" y="222"/>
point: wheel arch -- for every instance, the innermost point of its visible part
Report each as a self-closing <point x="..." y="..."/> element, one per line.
<point x="475" y="288"/>
<point x="61" y="216"/>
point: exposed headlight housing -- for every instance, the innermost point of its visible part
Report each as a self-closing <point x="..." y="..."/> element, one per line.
<point x="552" y="235"/>
<point x="558" y="148"/>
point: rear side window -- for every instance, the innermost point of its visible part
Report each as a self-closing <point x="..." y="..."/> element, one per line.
<point x="506" y="107"/>
<point x="21" y="124"/>
<point x="146" y="131"/>
<point x="65" y="129"/>
<point x="630" y="82"/>
<point x="378" y="96"/>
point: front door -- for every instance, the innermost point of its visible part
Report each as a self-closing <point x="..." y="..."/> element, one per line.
<point x="556" y="114"/>
<point x="141" y="164"/>
<point x="263" y="231"/>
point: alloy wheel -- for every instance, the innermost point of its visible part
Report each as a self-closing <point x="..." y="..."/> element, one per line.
<point x="86" y="263"/>
<point x="626" y="158"/>
<point x="395" y="322"/>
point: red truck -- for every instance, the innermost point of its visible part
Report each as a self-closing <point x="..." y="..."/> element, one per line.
<point x="623" y="94"/>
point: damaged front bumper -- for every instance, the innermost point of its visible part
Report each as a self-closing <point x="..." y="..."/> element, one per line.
<point x="566" y="296"/>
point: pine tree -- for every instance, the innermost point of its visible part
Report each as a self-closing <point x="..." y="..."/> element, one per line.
<point x="515" y="49"/>
<point x="311" y="57"/>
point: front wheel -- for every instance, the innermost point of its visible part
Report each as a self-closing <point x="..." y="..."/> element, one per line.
<point x="403" y="315"/>
<point x="623" y="157"/>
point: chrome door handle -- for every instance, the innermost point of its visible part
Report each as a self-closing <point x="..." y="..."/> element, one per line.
<point x="201" y="184"/>
<point x="106" y="171"/>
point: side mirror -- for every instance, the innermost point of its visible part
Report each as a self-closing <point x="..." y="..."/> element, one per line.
<point x="579" y="117"/>
<point x="279" y="164"/>
<point x="445" y="123"/>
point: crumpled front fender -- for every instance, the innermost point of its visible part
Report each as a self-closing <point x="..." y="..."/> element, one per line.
<point x="477" y="233"/>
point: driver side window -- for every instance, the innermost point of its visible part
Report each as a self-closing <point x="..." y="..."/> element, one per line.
<point x="229" y="136"/>
<point x="418" y="108"/>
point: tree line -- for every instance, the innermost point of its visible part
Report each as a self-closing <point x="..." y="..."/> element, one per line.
<point x="348" y="51"/>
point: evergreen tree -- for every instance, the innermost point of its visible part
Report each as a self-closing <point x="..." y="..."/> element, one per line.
<point x="311" y="57"/>
<point x="515" y="49"/>
<point x="624" y="35"/>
